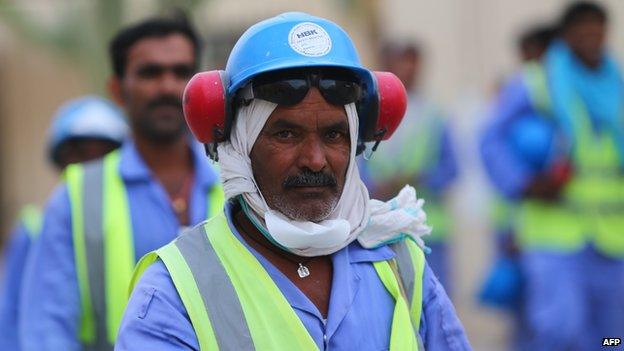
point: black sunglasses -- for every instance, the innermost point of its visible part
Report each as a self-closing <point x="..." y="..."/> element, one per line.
<point x="288" y="88"/>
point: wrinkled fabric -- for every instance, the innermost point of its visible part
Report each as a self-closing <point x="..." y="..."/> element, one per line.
<point x="156" y="318"/>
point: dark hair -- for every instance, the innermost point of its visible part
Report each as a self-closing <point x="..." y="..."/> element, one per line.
<point x="394" y="49"/>
<point x="582" y="11"/>
<point x="154" y="27"/>
<point x="539" y="35"/>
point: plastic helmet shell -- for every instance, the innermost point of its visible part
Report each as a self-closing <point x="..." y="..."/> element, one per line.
<point x="86" y="117"/>
<point x="292" y="40"/>
<point x="531" y="137"/>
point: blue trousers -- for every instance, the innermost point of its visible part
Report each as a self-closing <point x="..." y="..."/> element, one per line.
<point x="573" y="300"/>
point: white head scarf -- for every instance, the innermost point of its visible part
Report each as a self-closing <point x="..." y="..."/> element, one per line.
<point x="350" y="219"/>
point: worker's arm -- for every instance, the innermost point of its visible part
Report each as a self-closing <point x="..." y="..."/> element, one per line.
<point x="155" y="317"/>
<point x="50" y="303"/>
<point x="15" y="255"/>
<point x="440" y="327"/>
<point x="510" y="175"/>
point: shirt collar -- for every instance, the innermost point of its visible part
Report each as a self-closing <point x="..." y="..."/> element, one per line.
<point x="132" y="167"/>
<point x="359" y="254"/>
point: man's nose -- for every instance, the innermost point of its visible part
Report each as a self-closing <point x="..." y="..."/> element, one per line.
<point x="312" y="154"/>
<point x="170" y="84"/>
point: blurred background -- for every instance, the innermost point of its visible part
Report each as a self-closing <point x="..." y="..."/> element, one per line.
<point x="51" y="51"/>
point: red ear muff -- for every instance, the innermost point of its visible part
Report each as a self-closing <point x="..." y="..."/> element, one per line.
<point x="392" y="102"/>
<point x="205" y="106"/>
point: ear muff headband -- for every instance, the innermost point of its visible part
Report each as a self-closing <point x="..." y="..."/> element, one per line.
<point x="207" y="107"/>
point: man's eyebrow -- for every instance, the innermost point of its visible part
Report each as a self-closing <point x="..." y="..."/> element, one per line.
<point x="284" y="124"/>
<point x="341" y="125"/>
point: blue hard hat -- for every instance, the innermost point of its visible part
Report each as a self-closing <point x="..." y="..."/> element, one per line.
<point x="86" y="117"/>
<point x="531" y="138"/>
<point x="293" y="40"/>
<point x="503" y="285"/>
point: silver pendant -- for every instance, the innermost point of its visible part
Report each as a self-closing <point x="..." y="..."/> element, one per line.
<point x="303" y="271"/>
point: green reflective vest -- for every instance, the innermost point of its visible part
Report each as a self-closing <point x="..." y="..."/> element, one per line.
<point x="592" y="206"/>
<point x="104" y="245"/>
<point x="234" y="304"/>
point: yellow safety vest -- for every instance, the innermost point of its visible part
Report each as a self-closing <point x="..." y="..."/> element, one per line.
<point x="104" y="245"/>
<point x="234" y="304"/>
<point x="592" y="206"/>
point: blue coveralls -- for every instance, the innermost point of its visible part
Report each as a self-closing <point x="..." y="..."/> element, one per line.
<point x="573" y="300"/>
<point x="51" y="301"/>
<point x="359" y="316"/>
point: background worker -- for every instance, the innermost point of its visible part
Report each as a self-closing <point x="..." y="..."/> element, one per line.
<point x="107" y="214"/>
<point x="420" y="154"/>
<point x="556" y="146"/>
<point x="82" y="129"/>
<point x="503" y="285"/>
<point x="296" y="261"/>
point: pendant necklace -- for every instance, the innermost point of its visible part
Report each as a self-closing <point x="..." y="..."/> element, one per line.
<point x="302" y="270"/>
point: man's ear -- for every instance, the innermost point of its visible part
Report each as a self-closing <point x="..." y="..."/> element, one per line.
<point x="115" y="90"/>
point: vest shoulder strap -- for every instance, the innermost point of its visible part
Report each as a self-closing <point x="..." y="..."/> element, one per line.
<point x="411" y="266"/>
<point x="534" y="75"/>
<point x="103" y="247"/>
<point x="216" y="200"/>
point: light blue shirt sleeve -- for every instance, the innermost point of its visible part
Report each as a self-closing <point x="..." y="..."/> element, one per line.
<point x="506" y="171"/>
<point x="156" y="319"/>
<point x="15" y="260"/>
<point x="440" y="327"/>
<point x="49" y="310"/>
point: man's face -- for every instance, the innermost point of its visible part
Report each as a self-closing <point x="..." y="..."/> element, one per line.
<point x="82" y="150"/>
<point x="301" y="156"/>
<point x="406" y="66"/>
<point x="157" y="71"/>
<point x="586" y="39"/>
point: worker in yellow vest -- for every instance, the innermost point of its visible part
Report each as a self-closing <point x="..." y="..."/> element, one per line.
<point x="556" y="147"/>
<point x="107" y="214"/>
<point x="301" y="258"/>
<point x="83" y="129"/>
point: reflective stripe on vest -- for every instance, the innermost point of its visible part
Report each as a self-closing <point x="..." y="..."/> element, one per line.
<point x="592" y="207"/>
<point x="221" y="284"/>
<point x="104" y="246"/>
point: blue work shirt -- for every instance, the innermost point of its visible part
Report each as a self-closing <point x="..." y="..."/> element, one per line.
<point x="509" y="174"/>
<point x="51" y="301"/>
<point x="15" y="261"/>
<point x="359" y="316"/>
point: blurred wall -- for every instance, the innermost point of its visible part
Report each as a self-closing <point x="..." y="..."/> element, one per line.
<point x="33" y="84"/>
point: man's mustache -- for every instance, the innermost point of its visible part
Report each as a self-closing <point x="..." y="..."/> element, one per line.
<point x="309" y="178"/>
<point x="165" y="100"/>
